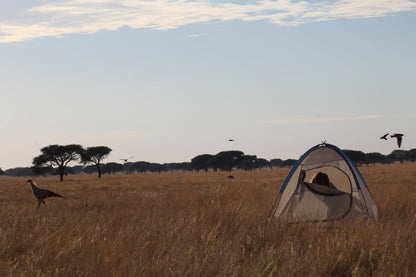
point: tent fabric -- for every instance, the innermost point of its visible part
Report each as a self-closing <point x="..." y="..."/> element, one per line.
<point x="304" y="201"/>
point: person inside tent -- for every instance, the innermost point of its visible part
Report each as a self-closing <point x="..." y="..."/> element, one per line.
<point x="321" y="179"/>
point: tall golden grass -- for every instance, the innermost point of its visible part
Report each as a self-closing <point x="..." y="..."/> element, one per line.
<point x="199" y="224"/>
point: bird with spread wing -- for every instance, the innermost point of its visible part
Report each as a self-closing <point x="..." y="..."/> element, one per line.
<point x="385" y="136"/>
<point x="398" y="138"/>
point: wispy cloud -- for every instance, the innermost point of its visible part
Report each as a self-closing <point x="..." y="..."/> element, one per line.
<point x="334" y="119"/>
<point x="194" y="35"/>
<point x="58" y="18"/>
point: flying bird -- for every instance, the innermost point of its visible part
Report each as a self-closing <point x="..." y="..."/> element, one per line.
<point x="42" y="194"/>
<point x="385" y="136"/>
<point x="126" y="159"/>
<point x="231" y="140"/>
<point x="398" y="137"/>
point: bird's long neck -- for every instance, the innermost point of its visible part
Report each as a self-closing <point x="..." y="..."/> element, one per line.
<point x="34" y="186"/>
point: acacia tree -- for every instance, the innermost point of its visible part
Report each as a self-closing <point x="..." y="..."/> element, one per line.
<point x="225" y="160"/>
<point x="398" y="155"/>
<point x="58" y="156"/>
<point x="411" y="155"/>
<point x="374" y="157"/>
<point x="201" y="162"/>
<point x="95" y="155"/>
<point x="112" y="168"/>
<point x="356" y="156"/>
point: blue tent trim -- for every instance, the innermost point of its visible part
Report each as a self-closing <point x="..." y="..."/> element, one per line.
<point x="296" y="166"/>
<point x="350" y="164"/>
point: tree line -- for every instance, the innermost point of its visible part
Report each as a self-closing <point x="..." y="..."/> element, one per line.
<point x="359" y="157"/>
<point x="54" y="160"/>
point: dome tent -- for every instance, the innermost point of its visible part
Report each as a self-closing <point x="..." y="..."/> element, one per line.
<point x="347" y="198"/>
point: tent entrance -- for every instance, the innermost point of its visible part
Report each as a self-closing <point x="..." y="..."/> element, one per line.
<point x="315" y="202"/>
<point x="338" y="178"/>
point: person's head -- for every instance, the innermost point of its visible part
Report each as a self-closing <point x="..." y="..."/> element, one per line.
<point x="321" y="179"/>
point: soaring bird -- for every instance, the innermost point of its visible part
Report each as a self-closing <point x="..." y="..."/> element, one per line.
<point x="398" y="137"/>
<point x="231" y="140"/>
<point x="42" y="194"/>
<point x="126" y="159"/>
<point x="385" y="136"/>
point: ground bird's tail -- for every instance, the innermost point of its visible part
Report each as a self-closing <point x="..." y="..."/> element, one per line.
<point x="53" y="194"/>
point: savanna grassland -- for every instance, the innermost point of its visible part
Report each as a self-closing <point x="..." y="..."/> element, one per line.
<point x="199" y="224"/>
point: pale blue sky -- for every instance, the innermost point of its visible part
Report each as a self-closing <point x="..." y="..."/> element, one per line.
<point x="164" y="81"/>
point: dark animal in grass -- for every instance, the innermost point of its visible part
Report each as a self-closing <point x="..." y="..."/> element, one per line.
<point x="41" y="194"/>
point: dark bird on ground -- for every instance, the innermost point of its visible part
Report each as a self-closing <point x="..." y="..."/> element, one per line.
<point x="126" y="159"/>
<point x="42" y="194"/>
<point x="398" y="137"/>
<point x="385" y="136"/>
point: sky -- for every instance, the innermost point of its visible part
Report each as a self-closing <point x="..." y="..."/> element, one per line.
<point x="164" y="81"/>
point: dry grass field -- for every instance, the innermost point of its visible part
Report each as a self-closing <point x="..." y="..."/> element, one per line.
<point x="199" y="224"/>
